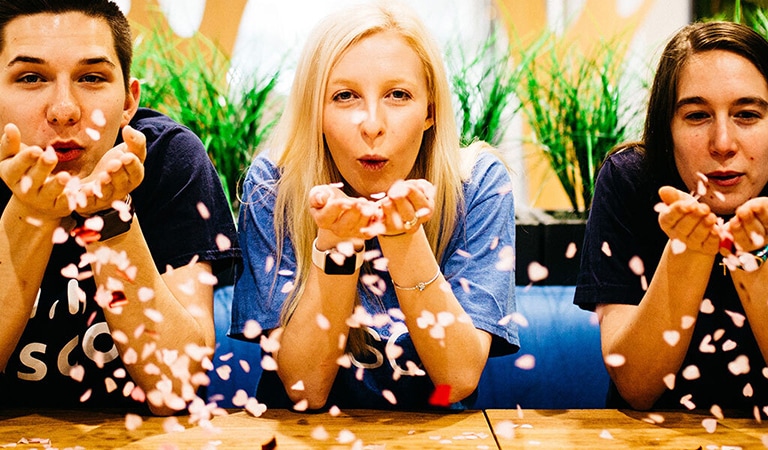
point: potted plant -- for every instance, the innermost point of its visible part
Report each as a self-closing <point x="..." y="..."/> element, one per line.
<point x="576" y="106"/>
<point x="193" y="82"/>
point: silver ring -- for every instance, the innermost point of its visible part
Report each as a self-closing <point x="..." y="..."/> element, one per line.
<point x="410" y="224"/>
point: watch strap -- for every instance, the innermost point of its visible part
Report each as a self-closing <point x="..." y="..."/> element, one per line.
<point x="114" y="225"/>
<point x="328" y="261"/>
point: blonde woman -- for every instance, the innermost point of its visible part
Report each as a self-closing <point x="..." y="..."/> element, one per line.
<point x="377" y="253"/>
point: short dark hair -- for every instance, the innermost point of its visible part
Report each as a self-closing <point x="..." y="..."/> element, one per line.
<point x="692" y="39"/>
<point x="104" y="9"/>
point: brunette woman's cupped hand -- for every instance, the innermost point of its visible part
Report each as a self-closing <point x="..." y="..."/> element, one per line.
<point x="685" y="219"/>
<point x="749" y="227"/>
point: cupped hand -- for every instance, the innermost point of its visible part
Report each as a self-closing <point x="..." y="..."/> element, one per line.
<point x="408" y="204"/>
<point x="749" y="226"/>
<point x="345" y="217"/>
<point x="28" y="172"/>
<point x="688" y="221"/>
<point x="117" y="173"/>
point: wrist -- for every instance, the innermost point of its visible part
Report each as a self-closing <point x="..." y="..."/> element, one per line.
<point x="338" y="261"/>
<point x="105" y="224"/>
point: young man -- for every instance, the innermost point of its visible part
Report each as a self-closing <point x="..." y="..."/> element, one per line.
<point x="114" y="223"/>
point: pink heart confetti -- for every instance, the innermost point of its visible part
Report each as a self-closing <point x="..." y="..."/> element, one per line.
<point x="60" y="236"/>
<point x="636" y="265"/>
<point x="671" y="337"/>
<point x="738" y="319"/>
<point x="268" y="363"/>
<point x="669" y="381"/>
<point x="252" y="329"/>
<point x="505" y="429"/>
<point x="691" y="373"/>
<point x="525" y="362"/>
<point x="537" y="272"/>
<point x="301" y="405"/>
<point x="571" y="250"/>
<point x="223" y="242"/>
<point x="322" y="322"/>
<point x="687" y="322"/>
<point x="709" y="424"/>
<point x="203" y="211"/>
<point x="678" y="246"/>
<point x="739" y="366"/>
<point x="706" y="306"/>
<point x="606" y="249"/>
<point x="748" y="391"/>
<point x="298" y="386"/>
<point x="615" y="360"/>
<point x="98" y="118"/>
<point x="240" y="399"/>
<point x="77" y="372"/>
<point x="387" y="394"/>
<point x="255" y="408"/>
<point x="133" y="421"/>
<point x="319" y="433"/>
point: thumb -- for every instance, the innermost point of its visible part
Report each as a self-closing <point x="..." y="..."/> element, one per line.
<point x="10" y="143"/>
<point x="135" y="141"/>
<point x="671" y="195"/>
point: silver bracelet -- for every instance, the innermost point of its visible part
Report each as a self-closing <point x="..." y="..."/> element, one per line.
<point x="420" y="286"/>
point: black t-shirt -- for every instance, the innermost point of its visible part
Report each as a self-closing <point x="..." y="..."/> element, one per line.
<point x="68" y="328"/>
<point x="623" y="224"/>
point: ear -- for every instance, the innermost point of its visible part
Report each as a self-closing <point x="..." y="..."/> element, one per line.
<point x="131" y="101"/>
<point x="430" y="120"/>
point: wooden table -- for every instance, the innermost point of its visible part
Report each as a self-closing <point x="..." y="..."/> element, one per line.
<point x="240" y="430"/>
<point x="609" y="428"/>
<point x="358" y="429"/>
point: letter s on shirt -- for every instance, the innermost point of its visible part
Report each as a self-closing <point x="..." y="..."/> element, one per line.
<point x="39" y="368"/>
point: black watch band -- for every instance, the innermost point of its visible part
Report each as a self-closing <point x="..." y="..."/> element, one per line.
<point x="114" y="225"/>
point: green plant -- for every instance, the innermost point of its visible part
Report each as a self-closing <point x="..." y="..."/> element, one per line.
<point x="573" y="102"/>
<point x="485" y="88"/>
<point x="192" y="82"/>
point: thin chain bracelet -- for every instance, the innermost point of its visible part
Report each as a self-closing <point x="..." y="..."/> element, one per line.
<point x="420" y="286"/>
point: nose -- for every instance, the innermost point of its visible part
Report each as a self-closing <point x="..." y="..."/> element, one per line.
<point x="372" y="125"/>
<point x="723" y="142"/>
<point x="64" y="108"/>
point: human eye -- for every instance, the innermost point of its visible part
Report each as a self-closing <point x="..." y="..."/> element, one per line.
<point x="696" y="116"/>
<point x="400" y="95"/>
<point x="748" y="115"/>
<point x="92" y="78"/>
<point x="343" y="96"/>
<point x="29" y="78"/>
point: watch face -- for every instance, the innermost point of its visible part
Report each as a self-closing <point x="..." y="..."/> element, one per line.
<point x="331" y="268"/>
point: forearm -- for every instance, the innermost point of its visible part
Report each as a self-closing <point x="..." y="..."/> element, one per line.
<point x="21" y="270"/>
<point x="315" y="337"/>
<point x="155" y="326"/>
<point x="754" y="297"/>
<point x="452" y="350"/>
<point x="654" y="336"/>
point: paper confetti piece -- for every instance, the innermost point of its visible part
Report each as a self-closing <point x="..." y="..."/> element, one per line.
<point x="440" y="396"/>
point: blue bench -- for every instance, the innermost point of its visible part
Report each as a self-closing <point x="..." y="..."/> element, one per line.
<point x="564" y="340"/>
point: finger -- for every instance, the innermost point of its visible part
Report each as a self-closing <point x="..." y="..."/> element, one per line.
<point x="671" y="195"/>
<point x="136" y="142"/>
<point x="10" y="143"/>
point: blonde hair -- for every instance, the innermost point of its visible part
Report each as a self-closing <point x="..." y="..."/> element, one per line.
<point x="299" y="150"/>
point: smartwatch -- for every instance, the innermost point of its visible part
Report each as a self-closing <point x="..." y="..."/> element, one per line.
<point x="113" y="223"/>
<point x="327" y="261"/>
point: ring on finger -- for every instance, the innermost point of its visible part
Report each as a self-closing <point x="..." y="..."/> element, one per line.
<point x="411" y="223"/>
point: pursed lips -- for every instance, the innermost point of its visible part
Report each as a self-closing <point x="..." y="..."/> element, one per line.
<point x="372" y="163"/>
<point x="724" y="178"/>
<point x="67" y="151"/>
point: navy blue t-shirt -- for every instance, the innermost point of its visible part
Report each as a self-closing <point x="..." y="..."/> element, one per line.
<point x="622" y="217"/>
<point x="68" y="328"/>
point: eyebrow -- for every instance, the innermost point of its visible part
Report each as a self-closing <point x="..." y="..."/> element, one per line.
<point x="758" y="101"/>
<point x="83" y="62"/>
